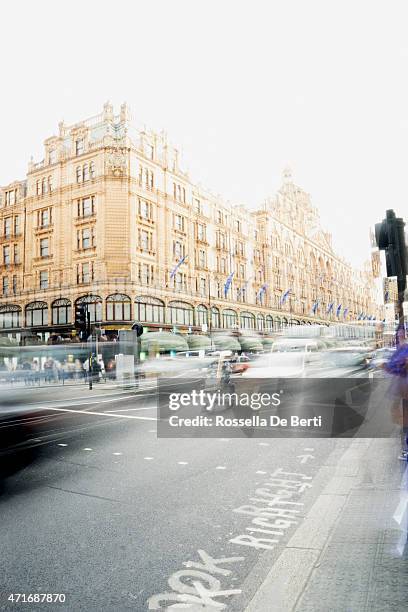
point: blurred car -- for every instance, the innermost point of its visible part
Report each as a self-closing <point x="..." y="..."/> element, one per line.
<point x="380" y="357"/>
<point x="276" y="365"/>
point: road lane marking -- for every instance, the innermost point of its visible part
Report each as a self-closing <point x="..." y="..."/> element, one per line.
<point x="182" y="462"/>
<point x="106" y="414"/>
<point x="62" y="444"/>
<point x="130" y="409"/>
<point x="87" y="449"/>
<point x="117" y="454"/>
<point x="220" y="467"/>
<point x="148" y="458"/>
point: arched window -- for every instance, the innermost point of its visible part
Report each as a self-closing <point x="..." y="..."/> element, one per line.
<point x="94" y="304"/>
<point x="36" y="314"/>
<point x="61" y="311"/>
<point x="201" y="311"/>
<point x="10" y="316"/>
<point x="229" y="319"/>
<point x="215" y="318"/>
<point x="269" y="323"/>
<point x="247" y="320"/>
<point x="118" y="307"/>
<point x="260" y="322"/>
<point x="284" y="322"/>
<point x="181" y="313"/>
<point x="149" y="309"/>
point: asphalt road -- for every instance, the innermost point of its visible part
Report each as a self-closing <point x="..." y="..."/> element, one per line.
<point x="114" y="518"/>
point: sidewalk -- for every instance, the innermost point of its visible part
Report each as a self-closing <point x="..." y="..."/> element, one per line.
<point x="345" y="556"/>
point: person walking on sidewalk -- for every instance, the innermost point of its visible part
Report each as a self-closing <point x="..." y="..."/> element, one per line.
<point x="397" y="366"/>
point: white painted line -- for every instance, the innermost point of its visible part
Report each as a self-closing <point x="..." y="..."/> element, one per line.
<point x="87" y="449"/>
<point x="224" y="439"/>
<point x="182" y="462"/>
<point x="62" y="444"/>
<point x="117" y="454"/>
<point x="152" y="431"/>
<point x="260" y="472"/>
<point x="148" y="458"/>
<point x="107" y="414"/>
<point x="130" y="409"/>
<point x="308" y="449"/>
<point x="220" y="467"/>
<point x="263" y="443"/>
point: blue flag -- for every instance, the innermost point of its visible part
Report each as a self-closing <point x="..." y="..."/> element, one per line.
<point x="338" y="310"/>
<point x="261" y="291"/>
<point x="176" y="267"/>
<point x="285" y="296"/>
<point x="330" y="307"/>
<point x="345" y="312"/>
<point x="228" y="284"/>
<point x="315" y="306"/>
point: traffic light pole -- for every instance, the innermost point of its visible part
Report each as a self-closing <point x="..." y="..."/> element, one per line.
<point x="88" y="330"/>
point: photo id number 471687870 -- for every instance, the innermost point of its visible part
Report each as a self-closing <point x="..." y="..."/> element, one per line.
<point x="36" y="597"/>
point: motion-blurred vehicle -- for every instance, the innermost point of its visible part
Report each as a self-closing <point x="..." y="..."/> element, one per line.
<point x="276" y="365"/>
<point x="380" y="357"/>
<point x="308" y="347"/>
<point x="20" y="424"/>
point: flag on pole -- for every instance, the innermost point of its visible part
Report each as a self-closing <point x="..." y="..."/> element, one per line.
<point x="285" y="296"/>
<point x="330" y="307"/>
<point x="176" y="267"/>
<point x="345" y="313"/>
<point x="261" y="291"/>
<point x="315" y="306"/>
<point x="228" y="284"/>
<point x="338" y="310"/>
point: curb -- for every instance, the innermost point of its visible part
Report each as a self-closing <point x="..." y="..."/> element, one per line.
<point x="286" y="580"/>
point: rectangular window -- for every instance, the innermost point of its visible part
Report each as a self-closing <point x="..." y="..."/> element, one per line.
<point x="179" y="223"/>
<point x="6" y="255"/>
<point x="203" y="287"/>
<point x="11" y="197"/>
<point x="85" y="273"/>
<point x="52" y="156"/>
<point x="16" y="254"/>
<point x="197" y="206"/>
<point x="202" y="259"/>
<point x="86" y="206"/>
<point x="86" y="238"/>
<point x="201" y="232"/>
<point x="144" y="209"/>
<point x="17" y="226"/>
<point x="43" y="280"/>
<point x="5" y="285"/>
<point x="44" y="247"/>
<point x="144" y="240"/>
<point x="79" y="146"/>
<point x="7" y="227"/>
<point x="14" y="284"/>
<point x="44" y="218"/>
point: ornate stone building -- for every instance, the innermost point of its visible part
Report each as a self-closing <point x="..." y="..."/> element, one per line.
<point x="110" y="218"/>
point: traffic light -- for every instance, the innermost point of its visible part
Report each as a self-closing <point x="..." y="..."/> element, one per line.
<point x="138" y="328"/>
<point x="390" y="237"/>
<point x="81" y="323"/>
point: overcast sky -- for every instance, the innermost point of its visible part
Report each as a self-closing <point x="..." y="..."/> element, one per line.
<point x="244" y="88"/>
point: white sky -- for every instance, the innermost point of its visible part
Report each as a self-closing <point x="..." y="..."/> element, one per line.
<point x="244" y="88"/>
